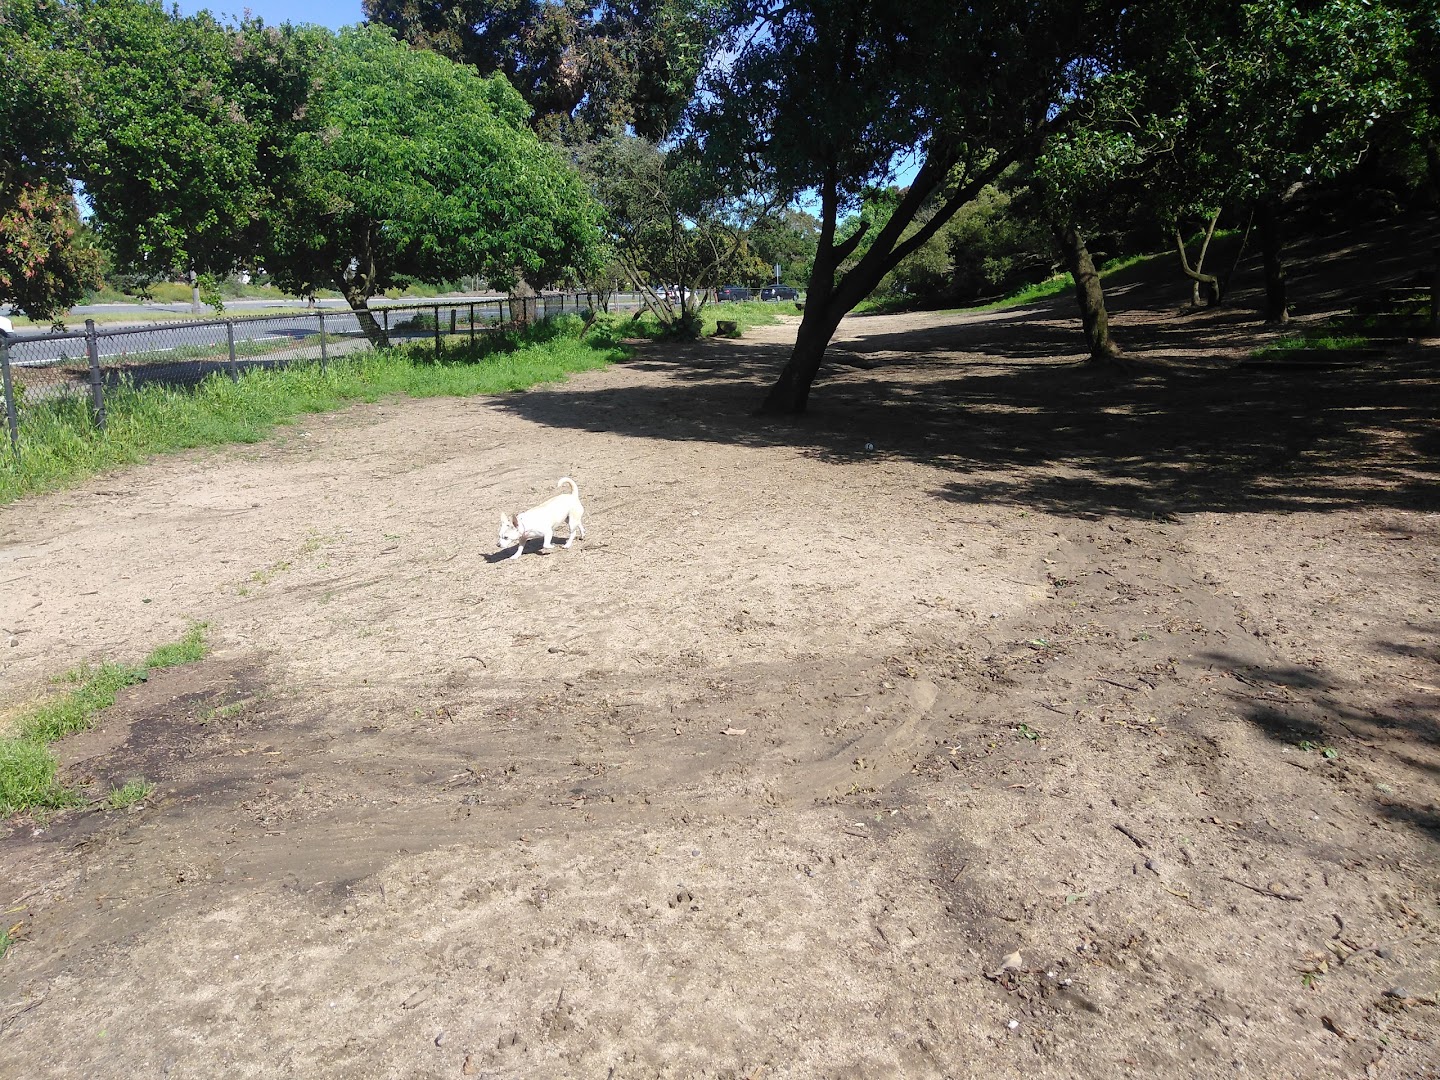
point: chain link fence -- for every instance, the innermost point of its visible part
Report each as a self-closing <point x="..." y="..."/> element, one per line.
<point x="51" y="371"/>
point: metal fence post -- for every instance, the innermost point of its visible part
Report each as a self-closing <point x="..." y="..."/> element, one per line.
<point x="324" y="352"/>
<point x="437" y="331"/>
<point x="11" y="409"/>
<point x="453" y="312"/>
<point x="472" y="326"/>
<point x="230" y="341"/>
<point x="97" y="389"/>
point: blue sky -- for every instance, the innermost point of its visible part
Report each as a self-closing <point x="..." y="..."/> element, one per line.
<point x="331" y="13"/>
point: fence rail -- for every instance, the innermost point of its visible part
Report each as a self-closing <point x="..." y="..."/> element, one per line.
<point x="41" y="370"/>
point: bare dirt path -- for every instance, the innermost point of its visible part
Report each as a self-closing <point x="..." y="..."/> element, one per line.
<point x="997" y="749"/>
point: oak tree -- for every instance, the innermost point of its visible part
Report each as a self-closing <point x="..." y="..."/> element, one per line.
<point x="411" y="167"/>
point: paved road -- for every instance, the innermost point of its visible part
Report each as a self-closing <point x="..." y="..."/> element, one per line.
<point x="155" y="333"/>
<point x="157" y="312"/>
<point x="183" y="340"/>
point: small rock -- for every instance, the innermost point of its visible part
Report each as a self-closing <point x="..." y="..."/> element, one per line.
<point x="1397" y="992"/>
<point x="1013" y="1024"/>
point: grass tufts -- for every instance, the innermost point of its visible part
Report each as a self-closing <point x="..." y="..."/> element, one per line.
<point x="28" y="768"/>
<point x="187" y="650"/>
<point x="134" y="791"/>
<point x="1318" y="340"/>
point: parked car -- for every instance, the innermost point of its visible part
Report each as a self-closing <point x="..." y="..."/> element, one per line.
<point x="736" y="292"/>
<point x="779" y="292"/>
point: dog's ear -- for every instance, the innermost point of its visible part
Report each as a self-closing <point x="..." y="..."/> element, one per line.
<point x="504" y="521"/>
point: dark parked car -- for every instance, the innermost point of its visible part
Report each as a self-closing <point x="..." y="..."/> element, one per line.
<point x="779" y="292"/>
<point x="736" y="292"/>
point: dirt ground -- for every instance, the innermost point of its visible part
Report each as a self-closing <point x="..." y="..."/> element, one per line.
<point x="1085" y="726"/>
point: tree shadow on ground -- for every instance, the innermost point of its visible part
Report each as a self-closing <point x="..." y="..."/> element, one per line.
<point x="1003" y="401"/>
<point x="1006" y="407"/>
<point x="1307" y="709"/>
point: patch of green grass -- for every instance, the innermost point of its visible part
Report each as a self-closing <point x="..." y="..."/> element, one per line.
<point x="27" y="767"/>
<point x="1041" y="290"/>
<point x="27" y="778"/>
<point x="134" y="791"/>
<point x="59" y="445"/>
<point x="1057" y="284"/>
<point x="224" y="712"/>
<point x="884" y="305"/>
<point x="187" y="650"/>
<point x="1320" y="339"/>
<point x="74" y="710"/>
<point x="744" y="313"/>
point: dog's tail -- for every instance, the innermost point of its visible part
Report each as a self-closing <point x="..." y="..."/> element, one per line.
<point x="574" y="487"/>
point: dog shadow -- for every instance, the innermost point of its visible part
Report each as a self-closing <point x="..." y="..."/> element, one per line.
<point x="532" y="546"/>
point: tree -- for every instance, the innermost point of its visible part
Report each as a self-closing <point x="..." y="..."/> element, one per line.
<point x="411" y="166"/>
<point x="183" y="121"/>
<point x="1073" y="182"/>
<point x="785" y="238"/>
<point x="669" y="223"/>
<point x="595" y="65"/>
<point x="1264" y="98"/>
<point x="46" y="261"/>
<point x="829" y="96"/>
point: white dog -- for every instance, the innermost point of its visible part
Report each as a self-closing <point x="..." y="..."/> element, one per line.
<point x="542" y="520"/>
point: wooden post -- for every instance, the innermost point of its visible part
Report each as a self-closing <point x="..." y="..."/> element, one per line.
<point x="324" y="351"/>
<point x="437" y="331"/>
<point x="12" y="420"/>
<point x="230" y="341"/>
<point x="97" y="390"/>
<point x="472" y="327"/>
<point x="452" y="321"/>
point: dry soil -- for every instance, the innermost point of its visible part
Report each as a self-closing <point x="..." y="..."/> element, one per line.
<point x="999" y="718"/>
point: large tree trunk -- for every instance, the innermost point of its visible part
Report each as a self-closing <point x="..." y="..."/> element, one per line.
<point x="360" y="305"/>
<point x="825" y="306"/>
<point x="1276" y="308"/>
<point x="828" y="298"/>
<point x="524" y="304"/>
<point x="791" y="392"/>
<point x="1088" y="293"/>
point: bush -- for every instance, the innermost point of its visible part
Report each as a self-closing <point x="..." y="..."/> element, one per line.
<point x="687" y="326"/>
<point x="555" y="327"/>
<point x="607" y="328"/>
